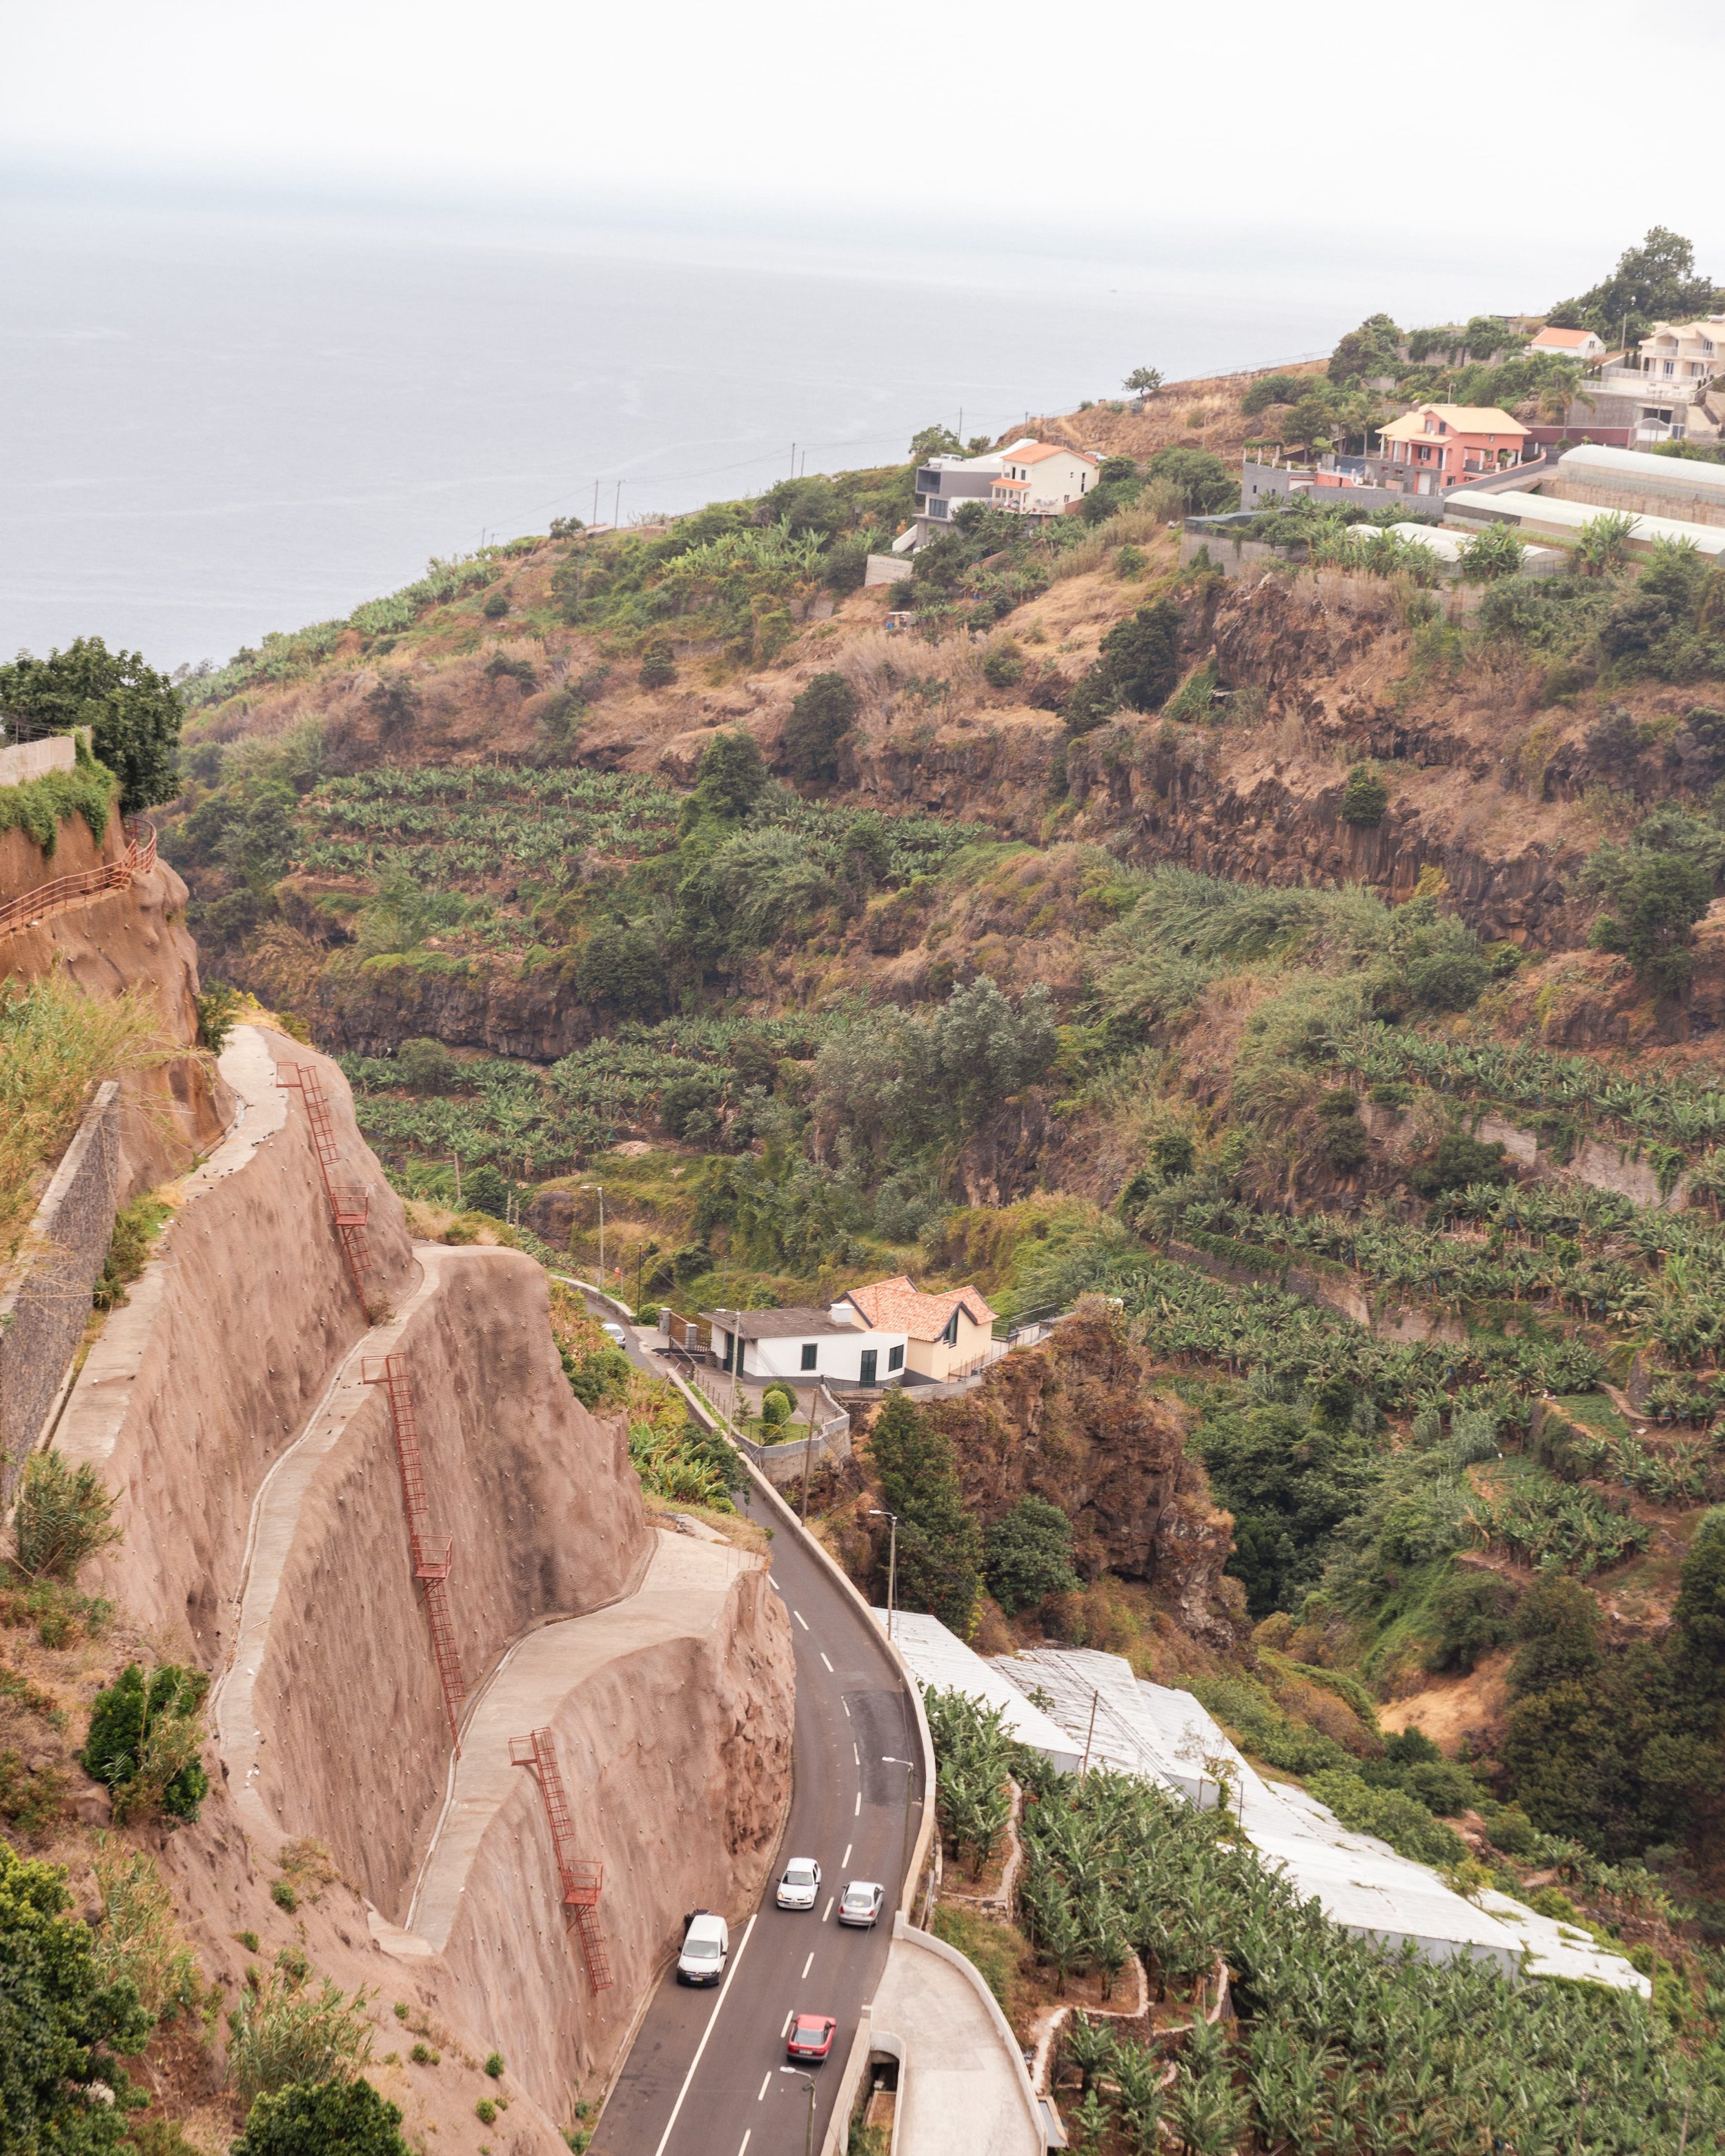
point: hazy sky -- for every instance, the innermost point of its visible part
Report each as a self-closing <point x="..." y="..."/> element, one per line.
<point x="1516" y="130"/>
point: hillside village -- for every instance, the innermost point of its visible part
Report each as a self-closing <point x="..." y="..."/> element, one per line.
<point x="1103" y="1046"/>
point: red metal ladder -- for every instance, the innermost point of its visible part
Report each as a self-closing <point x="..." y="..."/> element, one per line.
<point x="350" y="1202"/>
<point x="433" y="1554"/>
<point x="581" y="1877"/>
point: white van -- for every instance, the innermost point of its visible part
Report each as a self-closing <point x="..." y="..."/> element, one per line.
<point x="706" y="1943"/>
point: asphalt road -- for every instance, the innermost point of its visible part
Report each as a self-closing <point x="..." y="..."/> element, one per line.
<point x="702" y="2078"/>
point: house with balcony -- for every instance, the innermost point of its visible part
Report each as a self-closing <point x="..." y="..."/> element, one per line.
<point x="949" y="1337"/>
<point x="1028" y="478"/>
<point x="1661" y="391"/>
<point x="1440" y="446"/>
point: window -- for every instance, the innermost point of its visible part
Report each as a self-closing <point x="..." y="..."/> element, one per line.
<point x="811" y="1348"/>
<point x="895" y="1358"/>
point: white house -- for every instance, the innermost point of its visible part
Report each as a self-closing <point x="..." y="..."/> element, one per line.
<point x="1041" y="479"/>
<point x="808" y="1346"/>
<point x="950" y="1336"/>
<point x="1689" y="352"/>
<point x="1567" y="344"/>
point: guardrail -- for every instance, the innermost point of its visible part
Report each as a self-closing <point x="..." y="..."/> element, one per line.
<point x="64" y="892"/>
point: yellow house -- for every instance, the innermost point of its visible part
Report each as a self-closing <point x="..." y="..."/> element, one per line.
<point x="947" y="1336"/>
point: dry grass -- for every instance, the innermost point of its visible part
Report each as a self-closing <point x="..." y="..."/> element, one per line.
<point x="56" y="1042"/>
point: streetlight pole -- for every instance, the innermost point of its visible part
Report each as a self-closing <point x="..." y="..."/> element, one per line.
<point x="877" y="1512"/>
<point x="809" y="2131"/>
<point x="904" y="1853"/>
<point x="600" y="1188"/>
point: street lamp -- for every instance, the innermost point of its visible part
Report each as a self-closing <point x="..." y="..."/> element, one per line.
<point x="808" y="2133"/>
<point x="600" y="1188"/>
<point x="879" y="1512"/>
<point x="904" y="1853"/>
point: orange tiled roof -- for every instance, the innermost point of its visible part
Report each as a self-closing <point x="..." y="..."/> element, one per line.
<point x="895" y="1306"/>
<point x="1561" y="339"/>
<point x="1039" y="451"/>
<point x="1461" y="419"/>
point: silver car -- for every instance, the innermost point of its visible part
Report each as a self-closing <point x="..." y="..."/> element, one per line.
<point x="800" y="1887"/>
<point x="862" y="1903"/>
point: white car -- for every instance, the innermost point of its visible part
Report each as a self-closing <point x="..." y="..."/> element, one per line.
<point x="613" y="1331"/>
<point x="862" y="1903"/>
<point x="706" y="1943"/>
<point x="801" y="1884"/>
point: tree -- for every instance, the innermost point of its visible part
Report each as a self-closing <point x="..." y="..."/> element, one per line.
<point x="1206" y="484"/>
<point x="60" y="2027"/>
<point x="658" y="668"/>
<point x="322" y="2118"/>
<point x="144" y="1738"/>
<point x="1365" y="797"/>
<point x="133" y="712"/>
<point x="819" y="719"/>
<point x="621" y="966"/>
<point x="1658" y="903"/>
<point x="1698" y="1651"/>
<point x="1602" y="544"/>
<point x="1370" y="349"/>
<point x="939" y="1542"/>
<point x="730" y="778"/>
<point x="1143" y="381"/>
<point x="1656" y="281"/>
<point x="1137" y="667"/>
<point x="1557" y="1626"/>
<point x="1029" y="1555"/>
<point x="935" y="442"/>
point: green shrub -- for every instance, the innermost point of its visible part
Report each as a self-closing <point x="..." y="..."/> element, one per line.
<point x="1136" y="668"/>
<point x="493" y="2065"/>
<point x="1003" y="665"/>
<point x="284" y="1896"/>
<point x="322" y="2118"/>
<point x="63" y="1519"/>
<point x="1029" y="1555"/>
<point x="658" y="669"/>
<point x="136" y="1227"/>
<point x="281" y="2033"/>
<point x="144" y="1741"/>
<point x="1365" y="797"/>
<point x="1392" y="1815"/>
<point x="134" y="713"/>
<point x="1458" y="1161"/>
<point x="495" y="605"/>
<point x="777" y="1406"/>
<point x="819" y="719"/>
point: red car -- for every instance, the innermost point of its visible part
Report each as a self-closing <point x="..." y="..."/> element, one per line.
<point x="811" y="2036"/>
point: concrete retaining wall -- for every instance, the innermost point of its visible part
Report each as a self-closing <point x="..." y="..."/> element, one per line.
<point x="36" y="759"/>
<point x="44" y="1309"/>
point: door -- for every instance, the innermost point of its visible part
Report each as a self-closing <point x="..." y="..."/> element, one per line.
<point x="870" y="1359"/>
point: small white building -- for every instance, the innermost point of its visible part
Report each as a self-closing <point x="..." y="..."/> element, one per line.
<point x="1041" y="479"/>
<point x="1567" y="344"/>
<point x="1689" y="352"/>
<point x="951" y="1335"/>
<point x="808" y="1346"/>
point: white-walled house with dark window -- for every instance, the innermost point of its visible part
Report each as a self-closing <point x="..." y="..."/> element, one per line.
<point x="811" y="1346"/>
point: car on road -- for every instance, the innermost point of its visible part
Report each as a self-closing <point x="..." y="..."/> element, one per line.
<point x="862" y="1903"/>
<point x="811" y="2036"/>
<point x="800" y="1885"/>
<point x="614" y="1332"/>
<point x="706" y="1943"/>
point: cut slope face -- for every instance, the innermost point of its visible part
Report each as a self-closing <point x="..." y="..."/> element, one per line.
<point x="266" y="1536"/>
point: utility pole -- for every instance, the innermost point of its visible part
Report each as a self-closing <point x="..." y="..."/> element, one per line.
<point x="595" y="502"/>
<point x="877" y="1512"/>
<point x="457" y="1183"/>
<point x="600" y="1188"/>
<point x="809" y="2131"/>
<point x="793" y="460"/>
<point x="808" y="1461"/>
<point x="1089" y="1734"/>
<point x="617" y="506"/>
<point x="904" y="1853"/>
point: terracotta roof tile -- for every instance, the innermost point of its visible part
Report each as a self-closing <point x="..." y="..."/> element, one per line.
<point x="895" y="1306"/>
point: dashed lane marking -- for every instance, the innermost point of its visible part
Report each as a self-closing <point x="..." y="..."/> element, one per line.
<point x="807" y="1966"/>
<point x="789" y="2018"/>
<point x="712" y="2021"/>
<point x="800" y="1618"/>
<point x="742" y="2147"/>
<point x="831" y="1671"/>
<point x="857" y="1814"/>
<point x="766" y="2083"/>
<point x="845" y="1858"/>
<point x="831" y="1898"/>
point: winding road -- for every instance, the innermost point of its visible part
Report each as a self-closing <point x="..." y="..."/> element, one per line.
<point x="702" y="2077"/>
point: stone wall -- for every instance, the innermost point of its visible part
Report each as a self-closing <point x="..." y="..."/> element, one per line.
<point x="44" y="1307"/>
<point x="28" y="760"/>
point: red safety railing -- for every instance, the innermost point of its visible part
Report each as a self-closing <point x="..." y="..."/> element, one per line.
<point x="582" y="1878"/>
<point x="433" y="1554"/>
<point x="48" y="899"/>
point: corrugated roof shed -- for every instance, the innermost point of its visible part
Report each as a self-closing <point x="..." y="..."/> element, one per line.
<point x="939" y="1659"/>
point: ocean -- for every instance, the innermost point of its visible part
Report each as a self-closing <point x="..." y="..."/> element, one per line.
<point x="223" y="419"/>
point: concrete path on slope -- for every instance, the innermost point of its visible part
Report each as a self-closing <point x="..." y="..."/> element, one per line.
<point x="960" y="2085"/>
<point x="269" y="1541"/>
<point x="680" y="1594"/>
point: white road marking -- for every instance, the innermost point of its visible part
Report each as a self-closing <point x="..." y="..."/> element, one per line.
<point x="830" y="1666"/>
<point x="856" y="1755"/>
<point x="718" y="2007"/>
<point x="786" y="2031"/>
<point x="774" y="1584"/>
<point x="845" y="1704"/>
<point x="857" y="1814"/>
<point x="766" y="2083"/>
<point x="807" y="1966"/>
<point x="749" y="2135"/>
<point x="800" y="1618"/>
<point x="845" y="1858"/>
<point x="831" y="1898"/>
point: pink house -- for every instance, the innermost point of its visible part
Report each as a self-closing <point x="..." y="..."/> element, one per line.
<point x="1444" y="445"/>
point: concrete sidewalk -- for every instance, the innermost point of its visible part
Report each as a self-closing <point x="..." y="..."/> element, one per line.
<point x="962" y="2087"/>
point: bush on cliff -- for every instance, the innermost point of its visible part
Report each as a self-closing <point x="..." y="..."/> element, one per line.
<point x="1029" y="1555"/>
<point x="322" y="2118"/>
<point x="1136" y="668"/>
<point x="939" y="1542"/>
<point x="133" y="712"/>
<point x="63" y="1518"/>
<point x="144" y="1741"/>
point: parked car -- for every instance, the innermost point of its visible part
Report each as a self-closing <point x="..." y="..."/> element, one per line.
<point x="862" y="1903"/>
<point x="706" y="1943"/>
<point x="800" y="1887"/>
<point x="613" y="1331"/>
<point x="811" y="2036"/>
